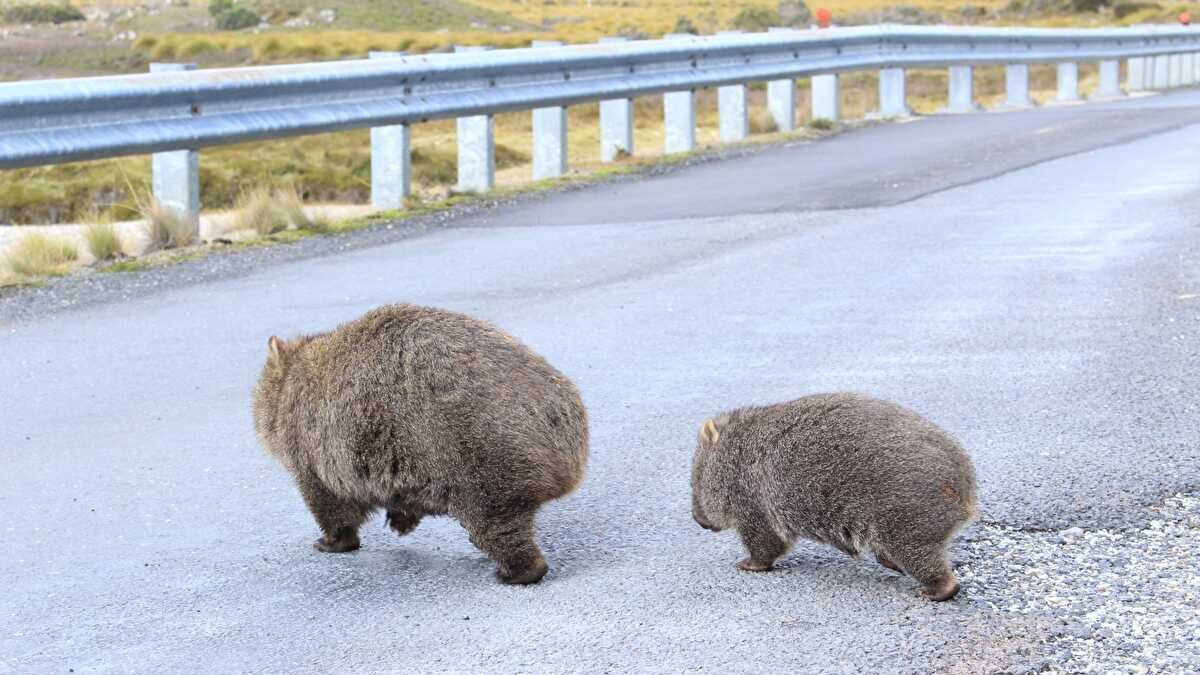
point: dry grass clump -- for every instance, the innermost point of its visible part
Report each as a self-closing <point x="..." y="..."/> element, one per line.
<point x="166" y="227"/>
<point x="267" y="212"/>
<point x="37" y="255"/>
<point x="258" y="210"/>
<point x="101" y="238"/>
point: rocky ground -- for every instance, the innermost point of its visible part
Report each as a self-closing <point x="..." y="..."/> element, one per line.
<point x="1128" y="601"/>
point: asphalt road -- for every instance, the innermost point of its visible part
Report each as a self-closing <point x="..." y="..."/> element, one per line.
<point x="1031" y="281"/>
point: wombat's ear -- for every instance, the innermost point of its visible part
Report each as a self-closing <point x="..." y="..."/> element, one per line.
<point x="275" y="347"/>
<point x="709" y="433"/>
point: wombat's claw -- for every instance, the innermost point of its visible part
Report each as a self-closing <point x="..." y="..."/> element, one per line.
<point x="751" y="565"/>
<point x="531" y="575"/>
<point x="339" y="545"/>
<point x="941" y="593"/>
<point x="882" y="560"/>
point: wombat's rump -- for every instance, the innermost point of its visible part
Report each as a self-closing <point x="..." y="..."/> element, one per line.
<point x="848" y="470"/>
<point x="422" y="411"/>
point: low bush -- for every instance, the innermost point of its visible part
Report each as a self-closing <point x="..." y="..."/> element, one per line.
<point x="44" y="13"/>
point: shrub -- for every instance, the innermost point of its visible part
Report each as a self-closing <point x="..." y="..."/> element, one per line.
<point x="821" y="124"/>
<point x="756" y="19"/>
<point x="237" y="19"/>
<point x="218" y="7"/>
<point x="1088" y="5"/>
<point x="38" y="255"/>
<point x="794" y="13"/>
<point x="1124" y="9"/>
<point x="47" y="13"/>
<point x="685" y="25"/>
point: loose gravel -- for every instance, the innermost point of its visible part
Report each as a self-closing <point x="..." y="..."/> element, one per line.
<point x="1126" y="600"/>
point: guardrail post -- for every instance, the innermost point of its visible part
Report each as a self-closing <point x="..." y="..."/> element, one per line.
<point x="391" y="159"/>
<point x="1162" y="72"/>
<point x="1175" y="75"/>
<point x="476" y="147"/>
<point x="1135" y="73"/>
<point x="1016" y="86"/>
<point x="893" y="94"/>
<point x="616" y="122"/>
<point x="1110" y="80"/>
<point x="731" y="107"/>
<point x="781" y="97"/>
<point x="175" y="175"/>
<point x="679" y="115"/>
<point x="961" y="97"/>
<point x="1189" y="69"/>
<point x="1068" y="82"/>
<point x="826" y="97"/>
<point x="549" y="135"/>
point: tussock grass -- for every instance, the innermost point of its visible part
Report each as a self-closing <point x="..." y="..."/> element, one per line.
<point x="258" y="210"/>
<point x="37" y="255"/>
<point x="166" y="227"/>
<point x="292" y="205"/>
<point x="102" y="240"/>
<point x="268" y="212"/>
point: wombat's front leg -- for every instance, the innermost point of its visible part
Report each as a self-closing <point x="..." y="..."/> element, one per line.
<point x="339" y="519"/>
<point x="507" y="538"/>
<point x="764" y="546"/>
<point x="402" y="518"/>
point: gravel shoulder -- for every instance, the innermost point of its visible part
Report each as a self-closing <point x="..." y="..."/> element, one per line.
<point x="1118" y="600"/>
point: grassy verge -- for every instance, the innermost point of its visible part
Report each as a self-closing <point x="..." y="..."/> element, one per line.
<point x="301" y="227"/>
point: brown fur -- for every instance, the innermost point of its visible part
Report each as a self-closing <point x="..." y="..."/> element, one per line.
<point x="844" y="469"/>
<point x="422" y="411"/>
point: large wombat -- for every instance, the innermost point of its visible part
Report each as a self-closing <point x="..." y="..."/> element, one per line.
<point x="844" y="469"/>
<point x="422" y="411"/>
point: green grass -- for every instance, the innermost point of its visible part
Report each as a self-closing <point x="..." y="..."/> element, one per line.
<point x="132" y="265"/>
<point x="418" y="15"/>
<point x="155" y="260"/>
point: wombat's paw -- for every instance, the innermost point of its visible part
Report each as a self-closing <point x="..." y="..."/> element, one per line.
<point x="752" y="565"/>
<point x="941" y="592"/>
<point x="402" y="523"/>
<point x="529" y="575"/>
<point x="340" y="544"/>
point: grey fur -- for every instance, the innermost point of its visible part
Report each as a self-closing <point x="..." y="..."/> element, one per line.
<point x="422" y="411"/>
<point x="848" y="470"/>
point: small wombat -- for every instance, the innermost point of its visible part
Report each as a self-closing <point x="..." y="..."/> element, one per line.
<point x="844" y="469"/>
<point x="423" y="411"/>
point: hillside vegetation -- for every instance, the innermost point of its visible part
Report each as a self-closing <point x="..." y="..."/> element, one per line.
<point x="121" y="36"/>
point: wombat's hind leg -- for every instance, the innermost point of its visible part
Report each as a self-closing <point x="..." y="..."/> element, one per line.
<point x="764" y="547"/>
<point x="507" y="538"/>
<point x="929" y="565"/>
<point x="339" y="519"/>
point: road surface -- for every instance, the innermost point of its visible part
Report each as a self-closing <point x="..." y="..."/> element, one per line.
<point x="1030" y="281"/>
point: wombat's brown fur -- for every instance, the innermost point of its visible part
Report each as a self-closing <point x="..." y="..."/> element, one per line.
<point x="844" y="469"/>
<point x="423" y="411"/>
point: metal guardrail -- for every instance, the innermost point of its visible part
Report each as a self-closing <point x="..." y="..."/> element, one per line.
<point x="55" y="121"/>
